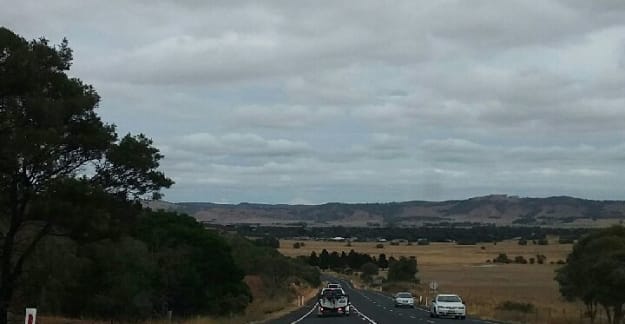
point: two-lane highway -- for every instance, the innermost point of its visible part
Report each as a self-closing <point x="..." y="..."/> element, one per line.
<point x="369" y="307"/>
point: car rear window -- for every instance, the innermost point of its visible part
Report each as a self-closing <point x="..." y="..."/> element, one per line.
<point x="449" y="299"/>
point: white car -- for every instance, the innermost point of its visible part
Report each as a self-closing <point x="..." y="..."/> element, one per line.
<point x="403" y="299"/>
<point x="448" y="305"/>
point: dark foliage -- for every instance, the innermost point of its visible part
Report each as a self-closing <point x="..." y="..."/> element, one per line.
<point x="421" y="235"/>
<point x="404" y="269"/>
<point x="502" y="258"/>
<point x="49" y="134"/>
<point x="517" y="307"/>
<point x="276" y="270"/>
<point x="268" y="241"/>
<point x="594" y="273"/>
<point x="352" y="260"/>
<point x="164" y="262"/>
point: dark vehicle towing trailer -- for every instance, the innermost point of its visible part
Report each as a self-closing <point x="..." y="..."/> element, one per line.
<point x="333" y="302"/>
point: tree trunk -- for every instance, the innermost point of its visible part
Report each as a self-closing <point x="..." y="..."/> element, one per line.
<point x="3" y="313"/>
<point x="607" y="312"/>
<point x="618" y="314"/>
<point x="591" y="311"/>
<point x="8" y="245"/>
<point x="5" y="301"/>
<point x="6" y="284"/>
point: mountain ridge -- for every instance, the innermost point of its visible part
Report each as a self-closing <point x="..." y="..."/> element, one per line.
<point x="495" y="209"/>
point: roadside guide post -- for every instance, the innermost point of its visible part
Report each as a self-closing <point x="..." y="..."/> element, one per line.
<point x="433" y="289"/>
<point x="31" y="316"/>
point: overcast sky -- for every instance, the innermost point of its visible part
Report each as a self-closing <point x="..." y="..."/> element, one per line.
<point x="359" y="101"/>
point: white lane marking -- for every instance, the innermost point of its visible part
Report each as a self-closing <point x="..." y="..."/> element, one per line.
<point x="364" y="317"/>
<point x="305" y="315"/>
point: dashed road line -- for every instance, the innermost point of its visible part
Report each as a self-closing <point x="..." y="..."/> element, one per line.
<point x="305" y="315"/>
<point x="364" y="317"/>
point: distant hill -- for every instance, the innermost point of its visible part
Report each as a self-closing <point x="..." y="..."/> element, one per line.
<point x="493" y="209"/>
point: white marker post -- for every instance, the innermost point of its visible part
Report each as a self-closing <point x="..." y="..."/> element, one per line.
<point x="433" y="289"/>
<point x="31" y="316"/>
<point x="433" y="285"/>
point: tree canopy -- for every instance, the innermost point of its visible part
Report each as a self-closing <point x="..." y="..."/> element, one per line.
<point x="404" y="269"/>
<point x="63" y="171"/>
<point x="595" y="273"/>
<point x="164" y="261"/>
<point x="74" y="238"/>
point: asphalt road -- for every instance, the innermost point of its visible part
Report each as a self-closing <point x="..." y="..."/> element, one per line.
<point x="369" y="307"/>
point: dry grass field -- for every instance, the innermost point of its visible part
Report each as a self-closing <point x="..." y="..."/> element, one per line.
<point x="463" y="270"/>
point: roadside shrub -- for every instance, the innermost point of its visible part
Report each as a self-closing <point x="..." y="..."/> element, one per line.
<point x="268" y="241"/>
<point x="513" y="306"/>
<point x="338" y="269"/>
<point x="540" y="258"/>
<point x="520" y="259"/>
<point x="379" y="246"/>
<point x="397" y="286"/>
<point x="502" y="258"/>
<point x="403" y="269"/>
<point x="522" y="241"/>
<point x="532" y="260"/>
<point x="369" y="270"/>
<point x="296" y="245"/>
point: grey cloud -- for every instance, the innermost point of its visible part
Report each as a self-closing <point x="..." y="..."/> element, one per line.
<point x="580" y="157"/>
<point x="386" y="141"/>
<point x="284" y="116"/>
<point x="486" y="25"/>
<point x="241" y="144"/>
<point x="378" y="146"/>
<point x="363" y="101"/>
